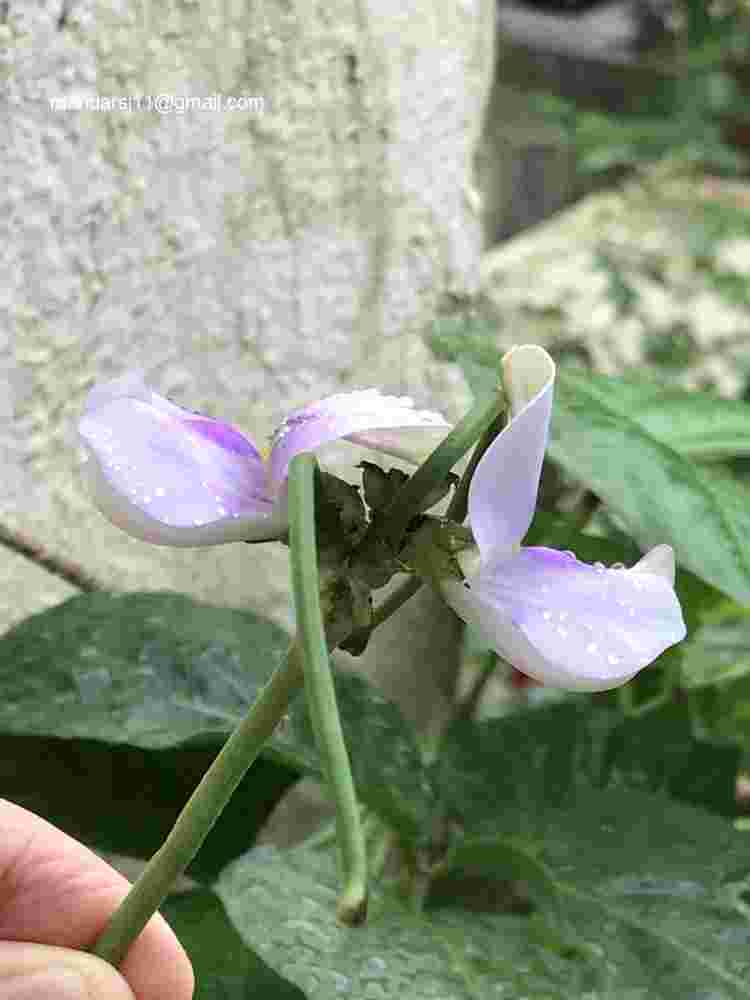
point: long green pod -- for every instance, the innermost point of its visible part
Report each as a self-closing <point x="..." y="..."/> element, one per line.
<point x="321" y="695"/>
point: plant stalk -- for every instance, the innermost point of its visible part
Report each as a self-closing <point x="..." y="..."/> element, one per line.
<point x="201" y="811"/>
<point x="319" y="687"/>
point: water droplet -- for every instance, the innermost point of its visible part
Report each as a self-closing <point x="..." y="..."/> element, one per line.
<point x="160" y="491"/>
<point x="562" y="632"/>
<point x="592" y="647"/>
<point x="617" y="566"/>
<point x="613" y="660"/>
<point x="563" y="615"/>
<point x="546" y="615"/>
<point x="374" y="967"/>
<point x="599" y="567"/>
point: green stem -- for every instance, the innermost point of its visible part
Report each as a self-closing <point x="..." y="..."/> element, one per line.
<point x="399" y="596"/>
<point x="466" y="709"/>
<point x="321" y="694"/>
<point x="459" y="505"/>
<point x="202" y="810"/>
<point x="408" y="501"/>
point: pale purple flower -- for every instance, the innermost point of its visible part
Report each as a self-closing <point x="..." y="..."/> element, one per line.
<point x="563" y="622"/>
<point x="173" y="477"/>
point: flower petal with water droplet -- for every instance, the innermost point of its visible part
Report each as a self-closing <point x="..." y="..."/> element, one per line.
<point x="568" y="624"/>
<point x="170" y="476"/>
<point x="366" y="417"/>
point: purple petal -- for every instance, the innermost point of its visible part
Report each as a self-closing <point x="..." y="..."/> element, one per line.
<point x="170" y="476"/>
<point x="502" y="496"/>
<point x="366" y="417"/>
<point x="568" y="624"/>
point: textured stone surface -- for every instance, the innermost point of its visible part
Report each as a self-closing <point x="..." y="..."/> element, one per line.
<point x="248" y="261"/>
<point x="655" y="275"/>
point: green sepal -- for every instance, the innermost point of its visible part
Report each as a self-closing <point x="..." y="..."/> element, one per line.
<point x="381" y="487"/>
<point x="432" y="549"/>
<point x="341" y="518"/>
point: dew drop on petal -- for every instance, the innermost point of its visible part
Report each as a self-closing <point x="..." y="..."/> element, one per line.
<point x="592" y="647"/>
<point x="613" y="660"/>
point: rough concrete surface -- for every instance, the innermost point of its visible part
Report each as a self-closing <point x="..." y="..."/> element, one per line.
<point x="649" y="276"/>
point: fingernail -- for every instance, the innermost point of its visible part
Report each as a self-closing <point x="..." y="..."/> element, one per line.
<point x="58" y="982"/>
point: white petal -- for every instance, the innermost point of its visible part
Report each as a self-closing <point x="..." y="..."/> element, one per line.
<point x="568" y="624"/>
<point x="503" y="491"/>
<point x="170" y="476"/>
<point x="366" y="417"/>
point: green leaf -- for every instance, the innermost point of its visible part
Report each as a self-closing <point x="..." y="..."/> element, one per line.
<point x="283" y="903"/>
<point x="698" y="425"/>
<point x="719" y="650"/>
<point x="148" y="669"/>
<point x="225" y="967"/>
<point x="661" y="495"/>
<point x="490" y="772"/>
<point x="644" y="898"/>
<point x="161" y="671"/>
<point x="387" y="765"/>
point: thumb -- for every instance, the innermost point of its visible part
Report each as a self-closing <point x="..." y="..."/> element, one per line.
<point x="42" y="972"/>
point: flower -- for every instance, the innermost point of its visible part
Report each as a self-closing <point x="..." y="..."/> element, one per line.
<point x="173" y="477"/>
<point x="563" y="622"/>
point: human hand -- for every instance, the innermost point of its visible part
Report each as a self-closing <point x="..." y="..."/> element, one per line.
<point x="56" y="897"/>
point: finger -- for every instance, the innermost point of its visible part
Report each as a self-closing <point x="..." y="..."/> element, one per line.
<point x="34" y="971"/>
<point x="55" y="891"/>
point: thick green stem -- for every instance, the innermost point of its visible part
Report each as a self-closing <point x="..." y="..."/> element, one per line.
<point x="434" y="470"/>
<point x="321" y="695"/>
<point x="202" y="810"/>
<point x="459" y="505"/>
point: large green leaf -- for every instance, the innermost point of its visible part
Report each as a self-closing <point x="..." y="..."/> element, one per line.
<point x="148" y="669"/>
<point x="521" y="763"/>
<point x="160" y="670"/>
<point x="698" y="425"/>
<point x="661" y="495"/>
<point x="633" y="893"/>
<point x="638" y="897"/>
<point x="225" y="967"/>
